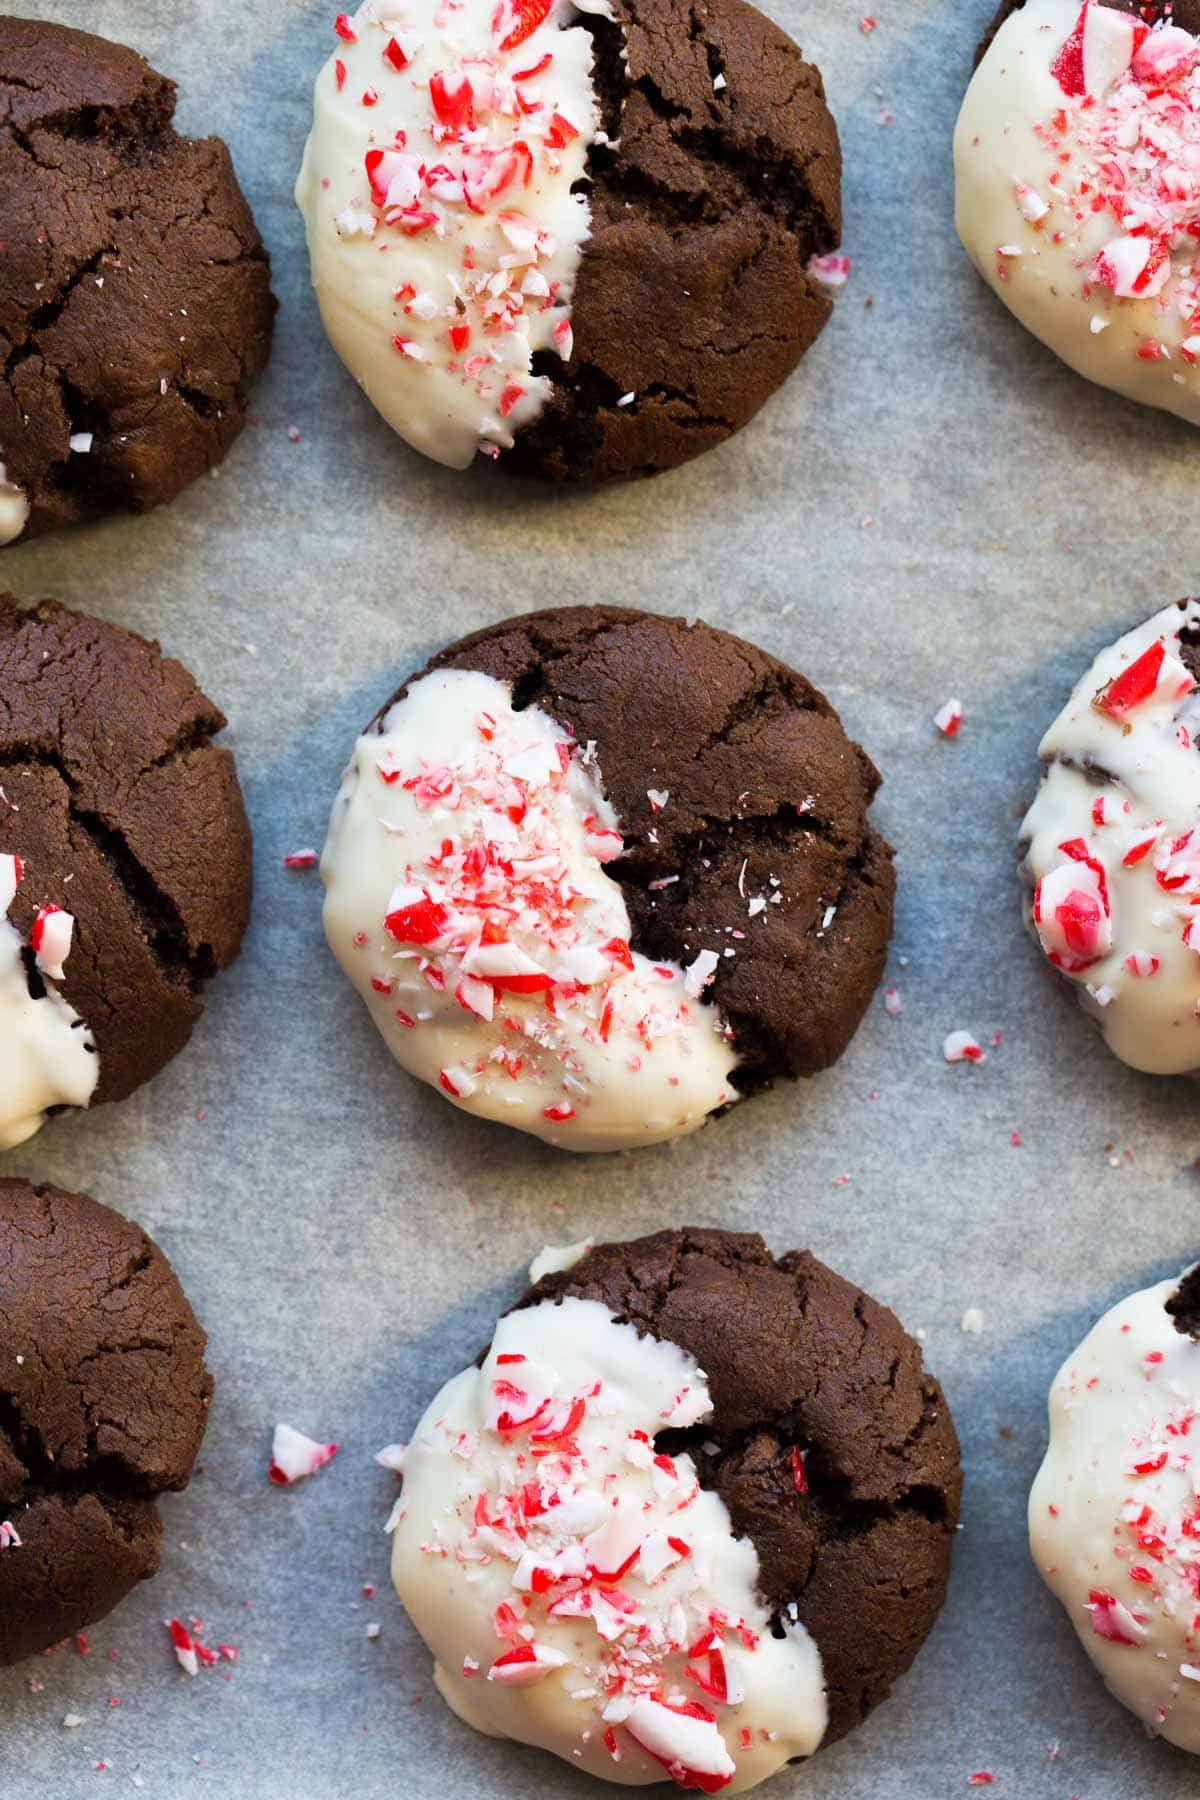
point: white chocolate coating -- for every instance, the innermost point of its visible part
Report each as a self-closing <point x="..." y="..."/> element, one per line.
<point x="609" y="1565"/>
<point x="1114" y="1514"/>
<point x="467" y="226"/>
<point x="1074" y="201"/>
<point x="505" y="976"/>
<point x="1125" y="791"/>
<point x="14" y="509"/>
<point x="47" y="1056"/>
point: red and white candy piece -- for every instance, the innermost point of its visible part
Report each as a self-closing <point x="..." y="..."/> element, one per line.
<point x="1113" y="1620"/>
<point x="293" y="1456"/>
<point x="1165" y="54"/>
<point x="50" y="940"/>
<point x="9" y="1536"/>
<point x="1098" y="52"/>
<point x="1134" y="268"/>
<point x="184" y="1645"/>
<point x="830" y="272"/>
<point x="1177" y="865"/>
<point x="526" y="1664"/>
<point x="684" y="1737"/>
<point x="949" y="718"/>
<point x="960" y="1046"/>
<point x="1153" y="676"/>
<point x="1071" y="910"/>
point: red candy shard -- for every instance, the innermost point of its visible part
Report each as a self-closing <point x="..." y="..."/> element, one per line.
<point x="393" y="54"/>
<point x="527" y="15"/>
<point x="452" y="100"/>
<point x="345" y="29"/>
<point x="421" y="922"/>
<point x="799" y="1475"/>
<point x="1134" y="685"/>
<point x="1112" y="1620"/>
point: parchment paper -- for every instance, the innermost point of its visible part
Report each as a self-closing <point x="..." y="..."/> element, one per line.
<point x="933" y="507"/>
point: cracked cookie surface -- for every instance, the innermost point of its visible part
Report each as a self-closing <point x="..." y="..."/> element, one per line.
<point x="767" y="800"/>
<point x="127" y="815"/>
<point x="103" y="1405"/>
<point x="135" y="301"/>
<point x="798" y="1359"/>
<point x="693" y="293"/>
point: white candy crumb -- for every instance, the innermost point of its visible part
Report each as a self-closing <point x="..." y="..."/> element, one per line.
<point x="553" y="1259"/>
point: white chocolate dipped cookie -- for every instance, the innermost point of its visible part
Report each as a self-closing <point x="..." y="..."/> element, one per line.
<point x="1077" y="166"/>
<point x="1114" y="1514"/>
<point x="636" y="1559"/>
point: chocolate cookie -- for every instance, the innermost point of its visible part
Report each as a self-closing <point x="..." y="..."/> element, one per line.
<point x="135" y="299"/>
<point x="1072" y="117"/>
<point x="103" y="1403"/>
<point x="686" y="1477"/>
<point x="705" y="799"/>
<point x="618" y="277"/>
<point x="124" y="861"/>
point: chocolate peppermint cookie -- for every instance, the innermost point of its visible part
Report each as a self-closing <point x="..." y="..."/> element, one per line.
<point x="1113" y="1512"/>
<point x="693" y="1509"/>
<point x="576" y="240"/>
<point x="124" y="861"/>
<point x="103" y="1403"/>
<point x="1077" y="158"/>
<point x="135" y="300"/>
<point x="1110" y="849"/>
<point x="598" y="873"/>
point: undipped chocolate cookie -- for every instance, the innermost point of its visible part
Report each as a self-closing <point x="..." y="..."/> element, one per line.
<point x="135" y="298"/>
<point x="577" y="239"/>
<point x="103" y="1403"/>
<point x="691" y="1514"/>
<point x="124" y="861"/>
<point x="598" y="873"/>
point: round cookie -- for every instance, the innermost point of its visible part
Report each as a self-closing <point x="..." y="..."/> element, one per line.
<point x="1077" y="161"/>
<point x="691" y="1513"/>
<point x="124" y="861"/>
<point x="103" y="1404"/>
<point x="576" y="240"/>
<point x="598" y="873"/>
<point x="1114" y="1520"/>
<point x="135" y="299"/>
<point x="1110" y="848"/>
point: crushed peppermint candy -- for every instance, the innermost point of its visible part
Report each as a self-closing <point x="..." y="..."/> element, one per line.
<point x="960" y="1046"/>
<point x="1120" y="147"/>
<point x="831" y="271"/>
<point x="564" y="1542"/>
<point x="470" y="864"/>
<point x="470" y="175"/>
<point x="294" y="1456"/>
<point x="949" y="718"/>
